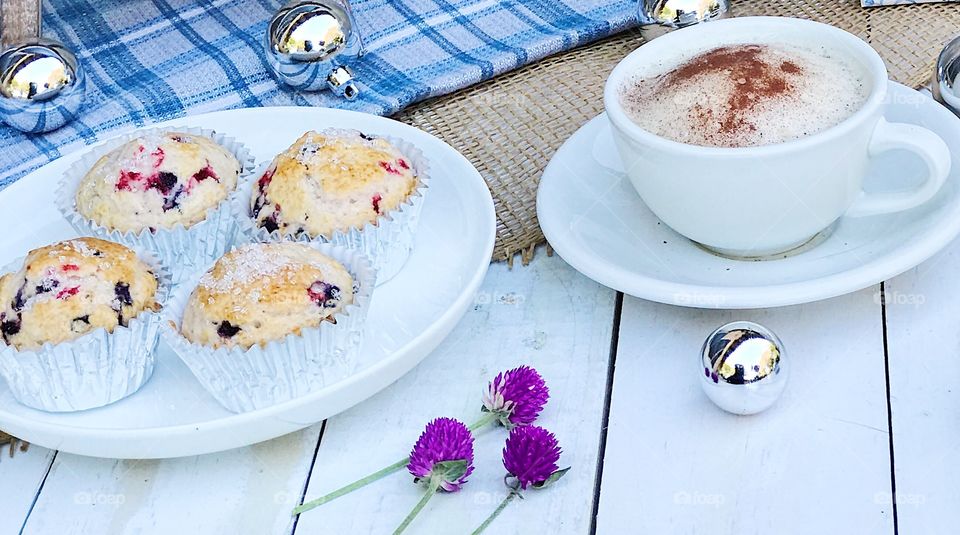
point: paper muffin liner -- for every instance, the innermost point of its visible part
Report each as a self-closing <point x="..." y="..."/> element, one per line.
<point x="183" y="249"/>
<point x="387" y="243"/>
<point x="249" y="379"/>
<point x="93" y="370"/>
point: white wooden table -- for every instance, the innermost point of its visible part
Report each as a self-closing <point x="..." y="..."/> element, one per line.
<point x="869" y="415"/>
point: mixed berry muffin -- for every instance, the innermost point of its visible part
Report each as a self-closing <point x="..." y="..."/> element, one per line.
<point x="263" y="292"/>
<point x="157" y="181"/>
<point x="71" y="288"/>
<point x="331" y="181"/>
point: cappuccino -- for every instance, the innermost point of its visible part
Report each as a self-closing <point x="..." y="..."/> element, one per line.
<point x="745" y="95"/>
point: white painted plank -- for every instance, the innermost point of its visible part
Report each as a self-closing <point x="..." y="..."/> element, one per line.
<point x="545" y="315"/>
<point x="20" y="479"/>
<point x="817" y="462"/>
<point x="240" y="491"/>
<point x="923" y="339"/>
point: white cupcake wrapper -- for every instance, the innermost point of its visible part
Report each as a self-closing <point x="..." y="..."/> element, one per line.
<point x="248" y="379"/>
<point x="183" y="249"/>
<point x="94" y="370"/>
<point x="387" y="244"/>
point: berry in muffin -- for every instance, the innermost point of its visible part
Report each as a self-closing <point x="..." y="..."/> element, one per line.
<point x="157" y="181"/>
<point x="331" y="181"/>
<point x="263" y="292"/>
<point x="68" y="289"/>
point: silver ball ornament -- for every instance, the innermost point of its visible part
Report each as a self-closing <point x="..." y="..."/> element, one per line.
<point x="42" y="86"/>
<point x="945" y="84"/>
<point x="657" y="17"/>
<point x="743" y="370"/>
<point x="305" y="42"/>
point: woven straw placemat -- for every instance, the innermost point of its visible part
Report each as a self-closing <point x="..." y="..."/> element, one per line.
<point x="11" y="444"/>
<point x="509" y="127"/>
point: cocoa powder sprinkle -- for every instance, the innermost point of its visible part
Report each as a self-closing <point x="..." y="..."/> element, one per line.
<point x="790" y="67"/>
<point x="755" y="79"/>
<point x="741" y="95"/>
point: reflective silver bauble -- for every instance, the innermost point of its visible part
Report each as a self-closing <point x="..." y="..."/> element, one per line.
<point x="42" y="86"/>
<point x="946" y="77"/>
<point x="307" y="41"/>
<point x="743" y="370"/>
<point x="658" y="17"/>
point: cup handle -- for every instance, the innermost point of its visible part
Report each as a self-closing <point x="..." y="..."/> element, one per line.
<point x="920" y="141"/>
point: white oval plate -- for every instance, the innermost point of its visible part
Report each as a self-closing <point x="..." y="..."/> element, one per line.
<point x="172" y="416"/>
<point x="595" y="220"/>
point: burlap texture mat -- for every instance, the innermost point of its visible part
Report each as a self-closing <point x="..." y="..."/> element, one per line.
<point x="11" y="444"/>
<point x="509" y="127"/>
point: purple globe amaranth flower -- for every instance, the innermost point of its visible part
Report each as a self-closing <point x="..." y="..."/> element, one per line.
<point x="530" y="455"/>
<point x="445" y="451"/>
<point x="516" y="396"/>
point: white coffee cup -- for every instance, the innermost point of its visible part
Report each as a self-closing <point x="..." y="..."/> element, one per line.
<point x="762" y="200"/>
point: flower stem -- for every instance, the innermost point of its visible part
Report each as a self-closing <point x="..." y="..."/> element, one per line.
<point x="503" y="505"/>
<point x="431" y="490"/>
<point x="352" y="486"/>
<point x="485" y="419"/>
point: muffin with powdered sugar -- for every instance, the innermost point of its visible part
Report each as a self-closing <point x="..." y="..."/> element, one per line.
<point x="269" y="322"/>
<point x="165" y="190"/>
<point x="79" y="322"/>
<point x="68" y="289"/>
<point x="344" y="187"/>
<point x="263" y="292"/>
<point x="157" y="181"/>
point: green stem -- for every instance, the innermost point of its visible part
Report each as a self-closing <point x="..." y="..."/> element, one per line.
<point x="431" y="490"/>
<point x="503" y="505"/>
<point x="485" y="419"/>
<point x="352" y="487"/>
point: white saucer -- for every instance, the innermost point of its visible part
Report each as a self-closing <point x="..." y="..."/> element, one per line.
<point x="595" y="220"/>
<point x="409" y="315"/>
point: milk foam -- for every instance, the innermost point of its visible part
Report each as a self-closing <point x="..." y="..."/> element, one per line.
<point x="746" y="95"/>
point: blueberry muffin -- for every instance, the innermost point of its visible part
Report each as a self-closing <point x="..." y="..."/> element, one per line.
<point x="157" y="181"/>
<point x="331" y="181"/>
<point x="71" y="288"/>
<point x="263" y="292"/>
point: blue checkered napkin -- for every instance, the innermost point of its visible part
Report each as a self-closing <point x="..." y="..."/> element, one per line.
<point x="151" y="60"/>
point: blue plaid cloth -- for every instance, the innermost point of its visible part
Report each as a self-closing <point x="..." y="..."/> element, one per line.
<point x="151" y="60"/>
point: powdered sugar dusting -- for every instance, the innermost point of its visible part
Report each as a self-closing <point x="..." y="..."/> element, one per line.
<point x="76" y="245"/>
<point x="137" y="153"/>
<point x="253" y="262"/>
<point x="245" y="265"/>
<point x="354" y="136"/>
<point x="315" y="141"/>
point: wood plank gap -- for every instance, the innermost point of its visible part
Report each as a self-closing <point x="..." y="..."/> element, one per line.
<point x="39" y="490"/>
<point x="611" y="366"/>
<point x="306" y="482"/>
<point x="886" y="363"/>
